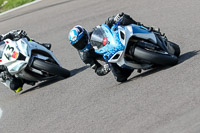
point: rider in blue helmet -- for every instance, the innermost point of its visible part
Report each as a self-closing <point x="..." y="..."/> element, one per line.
<point x="10" y="81"/>
<point x="80" y="39"/>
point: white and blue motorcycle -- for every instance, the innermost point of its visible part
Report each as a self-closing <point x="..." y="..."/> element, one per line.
<point x="134" y="47"/>
<point x="30" y="61"/>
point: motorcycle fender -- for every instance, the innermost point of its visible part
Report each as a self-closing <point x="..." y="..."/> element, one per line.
<point x="35" y="46"/>
<point x="170" y="48"/>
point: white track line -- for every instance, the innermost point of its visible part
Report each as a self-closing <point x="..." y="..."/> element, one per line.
<point x="20" y="7"/>
<point x="1" y="112"/>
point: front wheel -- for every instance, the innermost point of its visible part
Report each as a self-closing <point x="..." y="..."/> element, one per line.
<point x="51" y="68"/>
<point x="176" y="49"/>
<point x="155" y="58"/>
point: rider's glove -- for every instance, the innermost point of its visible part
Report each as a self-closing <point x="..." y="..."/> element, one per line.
<point x="112" y="20"/>
<point x="19" y="34"/>
<point x="22" y="33"/>
<point x="118" y="17"/>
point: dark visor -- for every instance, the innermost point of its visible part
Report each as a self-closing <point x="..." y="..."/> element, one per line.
<point x="81" y="43"/>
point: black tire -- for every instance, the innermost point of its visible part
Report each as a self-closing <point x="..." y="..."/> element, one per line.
<point x="176" y="48"/>
<point x="51" y="68"/>
<point x="155" y="58"/>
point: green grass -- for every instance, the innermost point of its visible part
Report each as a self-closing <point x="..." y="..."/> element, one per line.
<point x="12" y="4"/>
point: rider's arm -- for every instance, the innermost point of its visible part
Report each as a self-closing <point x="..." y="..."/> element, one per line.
<point x="126" y="20"/>
<point x="14" y="35"/>
<point x="89" y="59"/>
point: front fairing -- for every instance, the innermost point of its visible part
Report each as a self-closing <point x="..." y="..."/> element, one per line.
<point x="13" y="57"/>
<point x="118" y="37"/>
<point x="113" y="43"/>
<point x="9" y="53"/>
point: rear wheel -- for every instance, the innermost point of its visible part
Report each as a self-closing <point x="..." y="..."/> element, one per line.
<point x="51" y="68"/>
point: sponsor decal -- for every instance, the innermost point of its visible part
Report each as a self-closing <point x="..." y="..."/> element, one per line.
<point x="15" y="54"/>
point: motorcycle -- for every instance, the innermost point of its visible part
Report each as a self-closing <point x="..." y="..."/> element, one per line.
<point x="134" y="46"/>
<point x="30" y="61"/>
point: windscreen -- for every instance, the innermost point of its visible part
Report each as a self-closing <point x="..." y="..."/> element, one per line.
<point x="97" y="37"/>
<point x="2" y="46"/>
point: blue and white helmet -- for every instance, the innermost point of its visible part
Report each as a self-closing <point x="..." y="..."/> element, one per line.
<point x="79" y="39"/>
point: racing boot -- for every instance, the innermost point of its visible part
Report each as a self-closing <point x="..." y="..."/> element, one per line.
<point x="16" y="84"/>
<point x="11" y="82"/>
<point x="18" y="89"/>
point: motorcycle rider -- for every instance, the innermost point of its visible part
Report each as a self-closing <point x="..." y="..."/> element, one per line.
<point x="8" y="80"/>
<point x="80" y="39"/>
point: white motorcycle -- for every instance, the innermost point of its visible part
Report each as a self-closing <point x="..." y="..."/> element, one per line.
<point x="30" y="61"/>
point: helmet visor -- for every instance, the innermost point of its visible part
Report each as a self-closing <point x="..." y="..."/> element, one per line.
<point x="81" y="43"/>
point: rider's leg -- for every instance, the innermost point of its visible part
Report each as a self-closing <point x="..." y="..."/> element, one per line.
<point x="11" y="82"/>
<point x="120" y="74"/>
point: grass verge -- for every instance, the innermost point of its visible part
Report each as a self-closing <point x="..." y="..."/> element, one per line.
<point x="9" y="4"/>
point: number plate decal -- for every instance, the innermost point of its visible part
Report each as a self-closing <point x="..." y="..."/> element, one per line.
<point x="9" y="51"/>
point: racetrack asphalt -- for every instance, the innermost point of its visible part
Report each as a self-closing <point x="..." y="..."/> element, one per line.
<point x="165" y="100"/>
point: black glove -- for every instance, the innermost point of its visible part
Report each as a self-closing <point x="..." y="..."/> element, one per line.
<point x="118" y="17"/>
<point x="112" y="20"/>
<point x="19" y="34"/>
<point x="22" y="33"/>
